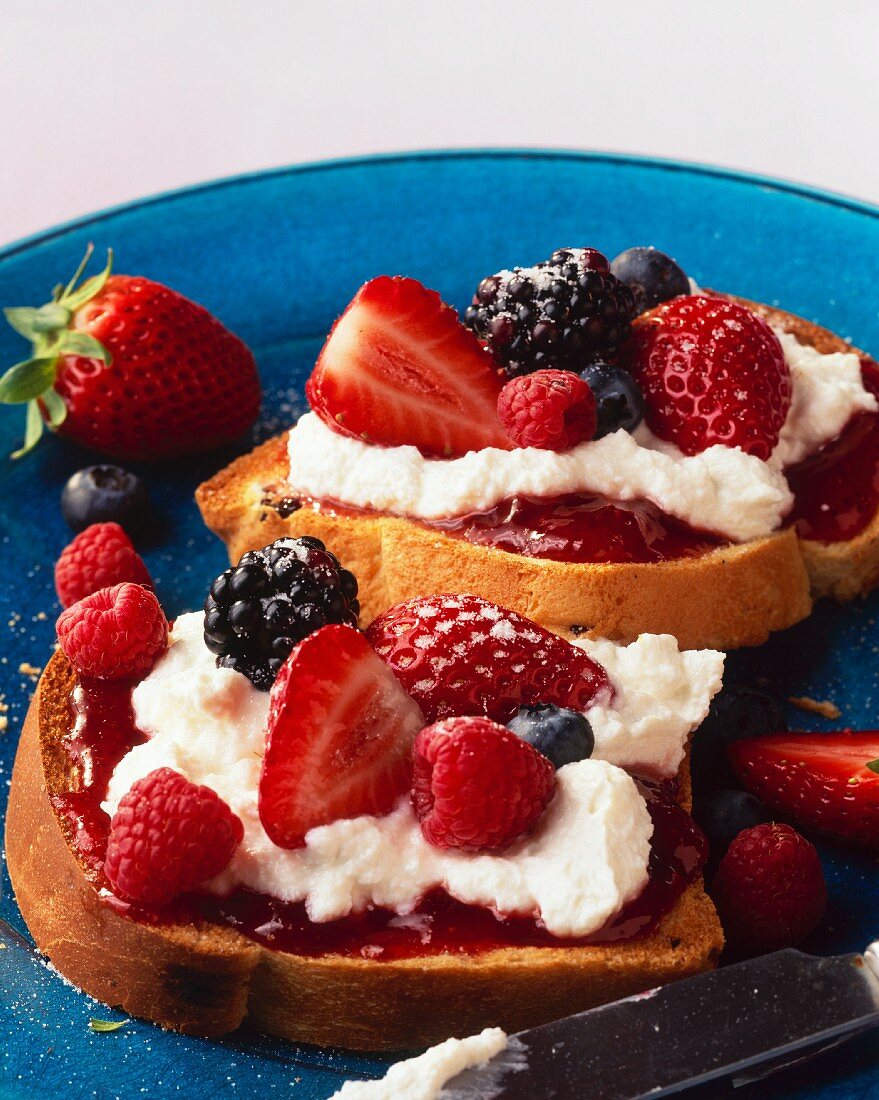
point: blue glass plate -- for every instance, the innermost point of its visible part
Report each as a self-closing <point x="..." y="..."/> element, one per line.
<point x="276" y="256"/>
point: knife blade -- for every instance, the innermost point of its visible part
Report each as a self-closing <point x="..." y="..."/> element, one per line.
<point x="735" y="1024"/>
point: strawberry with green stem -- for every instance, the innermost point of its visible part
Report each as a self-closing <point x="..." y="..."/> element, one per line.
<point x="131" y="368"/>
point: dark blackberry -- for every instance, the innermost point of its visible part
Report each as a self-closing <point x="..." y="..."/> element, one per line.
<point x="560" y="314"/>
<point x="257" y="612"/>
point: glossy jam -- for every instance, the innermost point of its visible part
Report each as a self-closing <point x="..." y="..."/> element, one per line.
<point x="837" y="489"/>
<point x="102" y="731"/>
<point x="581" y="527"/>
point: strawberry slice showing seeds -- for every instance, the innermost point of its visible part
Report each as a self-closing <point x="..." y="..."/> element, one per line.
<point x="458" y="655"/>
<point x="399" y="368"/>
<point x="340" y="736"/>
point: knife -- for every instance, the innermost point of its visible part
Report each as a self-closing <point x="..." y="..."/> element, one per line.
<point x="736" y="1024"/>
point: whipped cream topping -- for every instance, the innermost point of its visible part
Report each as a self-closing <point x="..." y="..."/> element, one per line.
<point x="422" y="1078"/>
<point x="723" y="489"/>
<point x="587" y="857"/>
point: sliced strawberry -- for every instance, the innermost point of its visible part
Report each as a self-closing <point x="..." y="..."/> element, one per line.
<point x="340" y="736"/>
<point x="398" y="368"/>
<point x="459" y="655"/>
<point x="823" y="781"/>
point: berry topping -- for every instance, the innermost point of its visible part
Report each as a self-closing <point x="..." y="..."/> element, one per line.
<point x="105" y="494"/>
<point x="769" y="889"/>
<point x="114" y="633"/>
<point x="476" y="786"/>
<point x="561" y="734"/>
<point x="464" y="655"/>
<point x="340" y="735"/>
<point x="724" y="814"/>
<point x="551" y="409"/>
<point x="823" y="781"/>
<point x="651" y="276"/>
<point x="100" y="556"/>
<point x="618" y="398"/>
<point x="167" y="837"/>
<point x="712" y="373"/>
<point x="736" y="714"/>
<point x="131" y="368"/>
<point x="399" y="368"/>
<point x="256" y="612"/>
<point x="560" y="313"/>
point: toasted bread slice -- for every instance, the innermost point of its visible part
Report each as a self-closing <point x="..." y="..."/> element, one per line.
<point x="733" y="596"/>
<point x="206" y="979"/>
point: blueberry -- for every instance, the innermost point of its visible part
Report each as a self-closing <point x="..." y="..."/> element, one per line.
<point x="736" y="714"/>
<point x="562" y="735"/>
<point x="620" y="403"/>
<point x="724" y="814"/>
<point x="652" y="276"/>
<point x="105" y="494"/>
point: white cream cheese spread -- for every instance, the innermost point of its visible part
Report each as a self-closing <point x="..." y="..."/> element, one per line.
<point x="586" y="859"/>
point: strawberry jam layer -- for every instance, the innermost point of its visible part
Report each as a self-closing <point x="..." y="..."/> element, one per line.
<point x="575" y="527"/>
<point x="103" y="730"/>
<point x="837" y="489"/>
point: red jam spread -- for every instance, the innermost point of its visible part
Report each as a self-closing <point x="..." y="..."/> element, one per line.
<point x="102" y="732"/>
<point x="837" y="489"/>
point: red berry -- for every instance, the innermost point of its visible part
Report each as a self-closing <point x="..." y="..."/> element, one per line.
<point x="167" y="837"/>
<point x="551" y="409"/>
<point x="114" y="633"/>
<point x="340" y="735"/>
<point x="100" y="556"/>
<point x="464" y="655"/>
<point x="399" y="368"/>
<point x="769" y="888"/>
<point x="711" y="372"/>
<point x="820" y="780"/>
<point x="476" y="786"/>
<point x="140" y="371"/>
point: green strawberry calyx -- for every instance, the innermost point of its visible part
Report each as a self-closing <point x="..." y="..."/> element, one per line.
<point x="32" y="381"/>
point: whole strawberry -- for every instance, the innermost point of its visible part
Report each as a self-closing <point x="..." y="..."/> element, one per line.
<point x="769" y="889"/>
<point x="712" y="373"/>
<point x="126" y="366"/>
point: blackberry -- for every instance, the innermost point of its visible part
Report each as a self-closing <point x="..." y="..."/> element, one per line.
<point x="560" y="314"/>
<point x="257" y="612"/>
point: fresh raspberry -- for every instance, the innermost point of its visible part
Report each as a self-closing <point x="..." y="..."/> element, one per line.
<point x="550" y="409"/>
<point x="168" y="836"/>
<point x="711" y="372"/>
<point x="769" y="888"/>
<point x="100" y="556"/>
<point x="460" y="654"/>
<point x="476" y="786"/>
<point x="114" y="633"/>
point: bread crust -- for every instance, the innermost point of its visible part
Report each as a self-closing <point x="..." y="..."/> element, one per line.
<point x="206" y="979"/>
<point x="731" y="597"/>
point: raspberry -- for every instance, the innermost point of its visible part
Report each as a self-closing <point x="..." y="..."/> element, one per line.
<point x="712" y="372"/>
<point x="476" y="786"/>
<point x="168" y="836"/>
<point x="561" y="313"/>
<point x="769" y="888"/>
<point x="114" y="633"/>
<point x="100" y="556"/>
<point x="551" y="409"/>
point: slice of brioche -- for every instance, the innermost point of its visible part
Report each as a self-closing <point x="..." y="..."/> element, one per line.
<point x="733" y="596"/>
<point x="207" y="979"/>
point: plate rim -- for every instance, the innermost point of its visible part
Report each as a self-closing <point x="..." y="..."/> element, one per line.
<point x="631" y="160"/>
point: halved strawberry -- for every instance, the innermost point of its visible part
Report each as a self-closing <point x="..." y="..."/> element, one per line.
<point x="399" y="368"/>
<point x="340" y="736"/>
<point x="823" y="781"/>
<point x="461" y="654"/>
